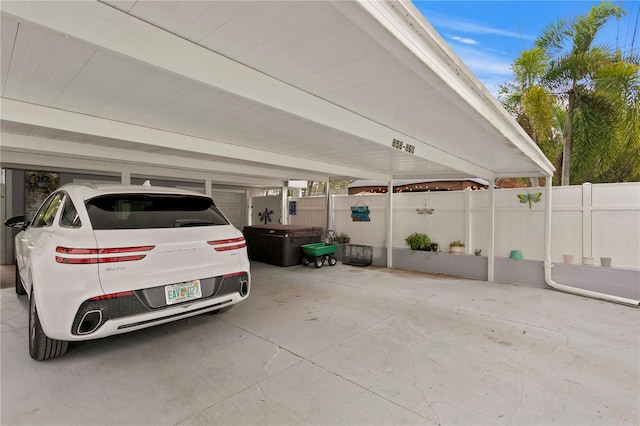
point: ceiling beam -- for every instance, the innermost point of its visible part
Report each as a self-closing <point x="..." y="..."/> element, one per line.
<point x="28" y="160"/>
<point x="259" y="162"/>
<point x="112" y="30"/>
<point x="82" y="156"/>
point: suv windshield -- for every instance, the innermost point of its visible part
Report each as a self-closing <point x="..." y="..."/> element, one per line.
<point x="145" y="211"/>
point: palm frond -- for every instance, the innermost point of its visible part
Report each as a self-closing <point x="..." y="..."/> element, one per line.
<point x="596" y="138"/>
<point x="530" y="66"/>
<point x="553" y="36"/>
<point x="538" y="105"/>
<point x="586" y="27"/>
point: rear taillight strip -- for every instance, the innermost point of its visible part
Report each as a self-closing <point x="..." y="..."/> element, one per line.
<point x="124" y="249"/>
<point x="98" y="254"/>
<point x="121" y="258"/>
<point x="235" y="274"/>
<point x="77" y="260"/>
<point x="227" y="241"/>
<point x="89" y="260"/>
<point x="234" y="247"/>
<point x="68" y="250"/>
<point x="112" y="250"/>
<point x="113" y="295"/>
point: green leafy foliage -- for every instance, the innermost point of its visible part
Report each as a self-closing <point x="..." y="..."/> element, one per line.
<point x="579" y="101"/>
<point x="418" y="241"/>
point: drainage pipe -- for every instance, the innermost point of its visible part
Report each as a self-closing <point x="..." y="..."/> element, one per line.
<point x="548" y="265"/>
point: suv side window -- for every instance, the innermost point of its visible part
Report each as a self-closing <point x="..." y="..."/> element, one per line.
<point x="47" y="212"/>
<point x="69" y="217"/>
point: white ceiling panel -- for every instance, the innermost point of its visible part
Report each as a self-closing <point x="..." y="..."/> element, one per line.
<point x="102" y="80"/>
<point x="123" y="5"/>
<point x="330" y="85"/>
<point x="42" y="64"/>
<point x="8" y="33"/>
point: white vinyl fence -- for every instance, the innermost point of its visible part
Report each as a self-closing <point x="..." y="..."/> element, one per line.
<point x="599" y="220"/>
<point x="310" y="211"/>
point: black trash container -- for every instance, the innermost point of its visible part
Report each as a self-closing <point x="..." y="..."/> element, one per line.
<point x="279" y="245"/>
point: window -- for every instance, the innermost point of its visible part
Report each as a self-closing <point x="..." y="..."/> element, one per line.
<point x="48" y="210"/>
<point x="144" y="211"/>
<point x="70" y="217"/>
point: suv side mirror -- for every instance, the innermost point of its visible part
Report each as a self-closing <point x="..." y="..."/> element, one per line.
<point x="16" y="222"/>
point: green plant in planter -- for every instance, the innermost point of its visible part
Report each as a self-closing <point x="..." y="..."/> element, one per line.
<point x="456" y="247"/>
<point x="418" y="241"/>
<point x="343" y="238"/>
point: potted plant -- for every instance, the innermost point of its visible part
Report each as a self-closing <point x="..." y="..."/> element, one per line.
<point x="456" y="247"/>
<point x="343" y="238"/>
<point x="418" y="241"/>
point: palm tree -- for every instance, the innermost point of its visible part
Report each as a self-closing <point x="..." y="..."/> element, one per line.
<point x="591" y="87"/>
<point x="533" y="107"/>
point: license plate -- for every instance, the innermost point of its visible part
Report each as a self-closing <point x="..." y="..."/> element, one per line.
<point x="181" y="292"/>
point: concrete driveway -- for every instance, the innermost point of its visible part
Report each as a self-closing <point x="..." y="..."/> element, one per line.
<point x="344" y="345"/>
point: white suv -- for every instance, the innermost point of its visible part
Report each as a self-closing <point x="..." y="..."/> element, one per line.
<point x="102" y="260"/>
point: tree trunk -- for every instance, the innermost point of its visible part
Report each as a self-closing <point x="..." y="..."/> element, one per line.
<point x="568" y="139"/>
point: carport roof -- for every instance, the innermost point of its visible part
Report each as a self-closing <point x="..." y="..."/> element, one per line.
<point x="280" y="90"/>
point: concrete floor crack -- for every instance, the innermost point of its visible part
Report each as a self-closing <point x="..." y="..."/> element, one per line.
<point x="281" y="348"/>
<point x="425" y="397"/>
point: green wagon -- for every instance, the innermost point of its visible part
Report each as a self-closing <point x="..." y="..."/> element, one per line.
<point x="318" y="253"/>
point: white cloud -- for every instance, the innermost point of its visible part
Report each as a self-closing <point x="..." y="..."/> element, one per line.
<point x="482" y="62"/>
<point x="464" y="40"/>
<point x="462" y="25"/>
<point x="490" y="68"/>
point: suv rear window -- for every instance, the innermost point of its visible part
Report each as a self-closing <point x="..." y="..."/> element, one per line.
<point x="145" y="211"/>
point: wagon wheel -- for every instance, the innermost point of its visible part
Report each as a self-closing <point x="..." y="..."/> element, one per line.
<point x="305" y="261"/>
<point x="332" y="261"/>
<point x="319" y="261"/>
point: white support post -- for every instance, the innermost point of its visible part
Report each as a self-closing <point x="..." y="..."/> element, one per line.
<point x="285" y="205"/>
<point x="327" y="194"/>
<point x="390" y="225"/>
<point x="586" y="220"/>
<point x="208" y="187"/>
<point x="467" y="221"/>
<point x="547" y="221"/>
<point x="492" y="231"/>
<point x="125" y="177"/>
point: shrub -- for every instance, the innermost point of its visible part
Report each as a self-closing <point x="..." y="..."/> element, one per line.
<point x="418" y="241"/>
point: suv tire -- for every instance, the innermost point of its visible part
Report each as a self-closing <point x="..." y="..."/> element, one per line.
<point x="42" y="347"/>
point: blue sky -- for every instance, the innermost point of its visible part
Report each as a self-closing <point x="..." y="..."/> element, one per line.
<point x="489" y="35"/>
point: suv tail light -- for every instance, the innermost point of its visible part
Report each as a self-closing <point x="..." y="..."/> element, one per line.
<point x="97" y="255"/>
<point x="241" y="241"/>
<point x="112" y="295"/>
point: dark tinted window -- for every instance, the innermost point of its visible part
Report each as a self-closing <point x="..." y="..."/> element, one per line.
<point x="69" y="218"/>
<point x="144" y="211"/>
<point x="47" y="212"/>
